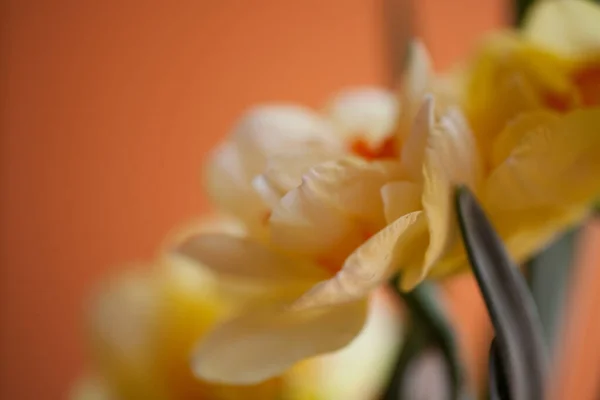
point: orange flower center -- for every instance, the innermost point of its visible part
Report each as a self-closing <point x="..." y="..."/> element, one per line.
<point x="386" y="149"/>
<point x="587" y="81"/>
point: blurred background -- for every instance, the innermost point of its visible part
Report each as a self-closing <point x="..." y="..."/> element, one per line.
<point x="108" y="111"/>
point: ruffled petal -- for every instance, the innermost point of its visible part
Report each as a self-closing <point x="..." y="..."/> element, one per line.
<point x="400" y="198"/>
<point x="359" y="370"/>
<point x="305" y="225"/>
<point x="499" y="88"/>
<point x="261" y="344"/>
<point x="413" y="149"/>
<point x="373" y="263"/>
<point x="554" y="165"/>
<point x="353" y="186"/>
<point x="272" y="129"/>
<point x="516" y="130"/>
<point x="415" y="85"/>
<point x="451" y="159"/>
<point x="368" y="113"/>
<point x="240" y="257"/>
<point x="570" y="28"/>
<point x="227" y="182"/>
<point x="547" y="183"/>
<point x="284" y="171"/>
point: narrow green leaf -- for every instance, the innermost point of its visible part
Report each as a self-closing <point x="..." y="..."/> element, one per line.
<point x="549" y="277"/>
<point x="519" y="335"/>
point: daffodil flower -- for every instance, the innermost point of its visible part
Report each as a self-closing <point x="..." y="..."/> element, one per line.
<point x="145" y="324"/>
<point x="552" y="63"/>
<point x="334" y="204"/>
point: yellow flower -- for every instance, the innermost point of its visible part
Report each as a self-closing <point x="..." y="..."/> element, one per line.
<point x="553" y="63"/>
<point x="334" y="204"/>
<point x="145" y="324"/>
<point x="532" y="98"/>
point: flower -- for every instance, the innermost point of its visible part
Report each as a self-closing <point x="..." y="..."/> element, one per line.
<point x="334" y="204"/>
<point x="146" y="321"/>
<point x="532" y="98"/>
<point x="552" y="63"/>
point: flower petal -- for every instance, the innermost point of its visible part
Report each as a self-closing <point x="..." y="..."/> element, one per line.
<point x="285" y="171"/>
<point x="262" y="344"/>
<point x="241" y="257"/>
<point x="451" y="159"/>
<point x="371" y="264"/>
<point x="400" y="198"/>
<point x="514" y="132"/>
<point x="413" y="149"/>
<point x="360" y="370"/>
<point x="353" y="186"/>
<point x="271" y="129"/>
<point x="226" y="182"/>
<point x="297" y="226"/>
<point x="555" y="165"/>
<point x="370" y="113"/>
<point x="415" y="84"/>
<point x="570" y="28"/>
<point x="499" y="88"/>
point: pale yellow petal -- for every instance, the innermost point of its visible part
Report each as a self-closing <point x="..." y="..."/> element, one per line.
<point x="229" y="256"/>
<point x="353" y="186"/>
<point x="262" y="344"/>
<point x="515" y="131"/>
<point x="556" y="165"/>
<point x="451" y="159"/>
<point x="413" y="149"/>
<point x="271" y="129"/>
<point x="227" y="182"/>
<point x="419" y="72"/>
<point x="570" y="28"/>
<point x="303" y="224"/>
<point x="400" y="198"/>
<point x="369" y="113"/>
<point x="284" y="171"/>
<point x="370" y="265"/>
<point x="361" y="369"/>
<point x="415" y="84"/>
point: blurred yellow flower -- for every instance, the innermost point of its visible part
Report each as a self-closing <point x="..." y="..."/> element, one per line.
<point x="145" y="323"/>
<point x="532" y="98"/>
<point x="552" y="63"/>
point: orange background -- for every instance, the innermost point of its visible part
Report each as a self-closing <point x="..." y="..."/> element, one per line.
<point x="109" y="108"/>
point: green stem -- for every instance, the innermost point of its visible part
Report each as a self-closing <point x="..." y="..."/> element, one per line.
<point x="520" y="9"/>
<point x="428" y="327"/>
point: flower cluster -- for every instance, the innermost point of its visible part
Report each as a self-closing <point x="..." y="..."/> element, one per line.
<point x="333" y="203"/>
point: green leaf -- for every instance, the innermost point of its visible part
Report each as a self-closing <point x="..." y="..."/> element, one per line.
<point x="519" y="339"/>
<point x="549" y="278"/>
